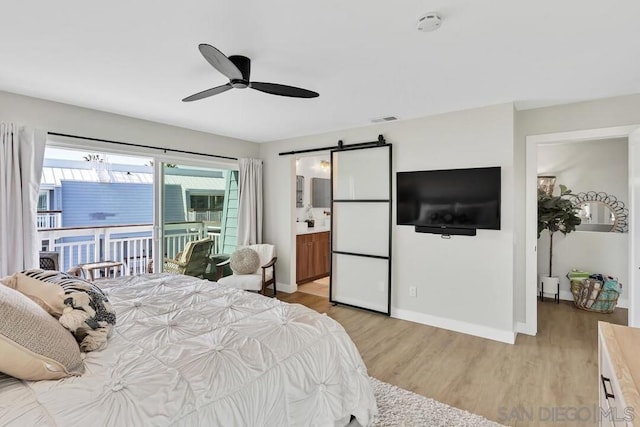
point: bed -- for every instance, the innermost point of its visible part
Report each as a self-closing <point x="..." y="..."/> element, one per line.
<point x="191" y="352"/>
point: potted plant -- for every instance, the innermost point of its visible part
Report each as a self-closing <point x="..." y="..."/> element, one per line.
<point x="555" y="213"/>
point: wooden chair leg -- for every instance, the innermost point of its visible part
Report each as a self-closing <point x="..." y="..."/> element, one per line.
<point x="275" y="295"/>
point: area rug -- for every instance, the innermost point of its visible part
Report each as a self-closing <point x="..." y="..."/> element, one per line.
<point x="402" y="408"/>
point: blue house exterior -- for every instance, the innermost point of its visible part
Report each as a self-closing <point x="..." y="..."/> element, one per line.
<point x="102" y="204"/>
<point x="122" y="195"/>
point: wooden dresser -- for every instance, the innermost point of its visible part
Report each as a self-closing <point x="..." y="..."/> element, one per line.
<point x="312" y="256"/>
<point x="619" y="374"/>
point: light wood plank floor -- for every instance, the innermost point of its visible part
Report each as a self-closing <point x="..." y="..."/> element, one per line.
<point x="318" y="287"/>
<point x="555" y="369"/>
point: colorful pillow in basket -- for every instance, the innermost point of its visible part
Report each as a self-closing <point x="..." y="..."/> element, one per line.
<point x="577" y="275"/>
<point x="608" y="298"/>
<point x="588" y="293"/>
<point x="612" y="284"/>
<point x="79" y="306"/>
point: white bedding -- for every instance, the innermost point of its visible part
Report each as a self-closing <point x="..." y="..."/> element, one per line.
<point x="191" y="352"/>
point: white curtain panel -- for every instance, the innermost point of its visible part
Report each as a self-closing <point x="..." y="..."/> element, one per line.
<point x="250" y="202"/>
<point x="21" y="156"/>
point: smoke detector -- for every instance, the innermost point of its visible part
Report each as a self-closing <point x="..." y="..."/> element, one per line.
<point x="429" y="22"/>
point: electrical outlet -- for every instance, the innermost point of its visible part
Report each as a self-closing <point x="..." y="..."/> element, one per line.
<point x="413" y="291"/>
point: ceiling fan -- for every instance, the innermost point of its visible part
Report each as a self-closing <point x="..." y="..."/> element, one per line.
<point x="237" y="69"/>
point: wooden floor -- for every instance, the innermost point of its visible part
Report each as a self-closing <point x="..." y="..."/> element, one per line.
<point x="318" y="287"/>
<point x="517" y="385"/>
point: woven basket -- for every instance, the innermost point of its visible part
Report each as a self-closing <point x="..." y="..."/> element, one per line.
<point x="588" y="295"/>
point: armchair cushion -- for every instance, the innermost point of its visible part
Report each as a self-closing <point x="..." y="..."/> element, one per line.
<point x="266" y="253"/>
<point x="259" y="280"/>
<point x="244" y="261"/>
<point x="185" y="256"/>
<point x="247" y="282"/>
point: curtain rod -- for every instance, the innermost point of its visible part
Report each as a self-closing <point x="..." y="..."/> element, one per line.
<point x="340" y="146"/>
<point x="142" y="146"/>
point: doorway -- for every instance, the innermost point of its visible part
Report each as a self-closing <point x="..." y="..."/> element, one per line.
<point x="531" y="242"/>
<point x="597" y="175"/>
<point x="313" y="224"/>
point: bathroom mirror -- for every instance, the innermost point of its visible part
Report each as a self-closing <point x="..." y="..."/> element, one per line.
<point x="320" y="193"/>
<point x="299" y="191"/>
<point x="601" y="212"/>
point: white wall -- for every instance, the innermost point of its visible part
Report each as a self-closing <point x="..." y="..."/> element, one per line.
<point x="601" y="113"/>
<point x="600" y="166"/>
<point x="605" y="253"/>
<point x="465" y="283"/>
<point x="309" y="167"/>
<point x="63" y="118"/>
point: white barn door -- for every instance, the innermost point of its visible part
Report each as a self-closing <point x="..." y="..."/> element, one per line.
<point x="361" y="227"/>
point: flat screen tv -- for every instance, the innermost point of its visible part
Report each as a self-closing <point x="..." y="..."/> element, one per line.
<point x="448" y="200"/>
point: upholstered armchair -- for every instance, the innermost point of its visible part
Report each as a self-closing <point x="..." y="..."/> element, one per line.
<point x="260" y="279"/>
<point x="192" y="261"/>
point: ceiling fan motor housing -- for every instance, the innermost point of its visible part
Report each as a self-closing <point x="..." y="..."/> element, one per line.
<point x="244" y="65"/>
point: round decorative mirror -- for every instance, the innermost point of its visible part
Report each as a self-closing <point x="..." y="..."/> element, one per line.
<point x="601" y="212"/>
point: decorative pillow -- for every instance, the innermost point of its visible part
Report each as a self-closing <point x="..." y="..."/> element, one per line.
<point x="33" y="345"/>
<point x="80" y="306"/>
<point x="244" y="261"/>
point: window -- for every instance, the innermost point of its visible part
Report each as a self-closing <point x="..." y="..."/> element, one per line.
<point x="119" y="223"/>
<point x="202" y="203"/>
<point x="43" y="200"/>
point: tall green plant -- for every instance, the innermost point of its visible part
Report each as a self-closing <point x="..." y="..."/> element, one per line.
<point x="556" y="213"/>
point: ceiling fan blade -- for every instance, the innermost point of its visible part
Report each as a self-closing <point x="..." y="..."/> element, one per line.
<point x="219" y="61"/>
<point x="209" y="92"/>
<point x="283" y="90"/>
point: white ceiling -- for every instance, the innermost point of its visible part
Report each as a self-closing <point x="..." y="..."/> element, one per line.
<point x="365" y="58"/>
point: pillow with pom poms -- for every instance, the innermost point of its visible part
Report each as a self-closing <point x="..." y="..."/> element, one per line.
<point x="79" y="305"/>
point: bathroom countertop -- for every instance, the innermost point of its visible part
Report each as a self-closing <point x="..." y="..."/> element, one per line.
<point x="316" y="229"/>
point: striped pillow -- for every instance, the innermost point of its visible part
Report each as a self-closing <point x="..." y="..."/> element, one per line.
<point x="80" y="306"/>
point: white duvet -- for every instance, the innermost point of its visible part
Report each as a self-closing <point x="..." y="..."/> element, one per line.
<point x="189" y="352"/>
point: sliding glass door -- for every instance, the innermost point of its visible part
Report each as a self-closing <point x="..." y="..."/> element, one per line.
<point x="199" y="204"/>
<point x="99" y="206"/>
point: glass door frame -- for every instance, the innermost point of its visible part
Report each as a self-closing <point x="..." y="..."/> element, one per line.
<point x="159" y="162"/>
<point x="159" y="159"/>
<point x="389" y="200"/>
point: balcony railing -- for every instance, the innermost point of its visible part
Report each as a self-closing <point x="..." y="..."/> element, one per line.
<point x="212" y="216"/>
<point x="49" y="219"/>
<point x="130" y="244"/>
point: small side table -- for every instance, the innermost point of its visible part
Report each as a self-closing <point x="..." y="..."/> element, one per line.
<point x="107" y="268"/>
<point x="556" y="297"/>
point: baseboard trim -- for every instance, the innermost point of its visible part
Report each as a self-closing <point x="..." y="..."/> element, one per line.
<point x="568" y="296"/>
<point x="523" y="328"/>
<point x="508" y="337"/>
<point x="286" y="288"/>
